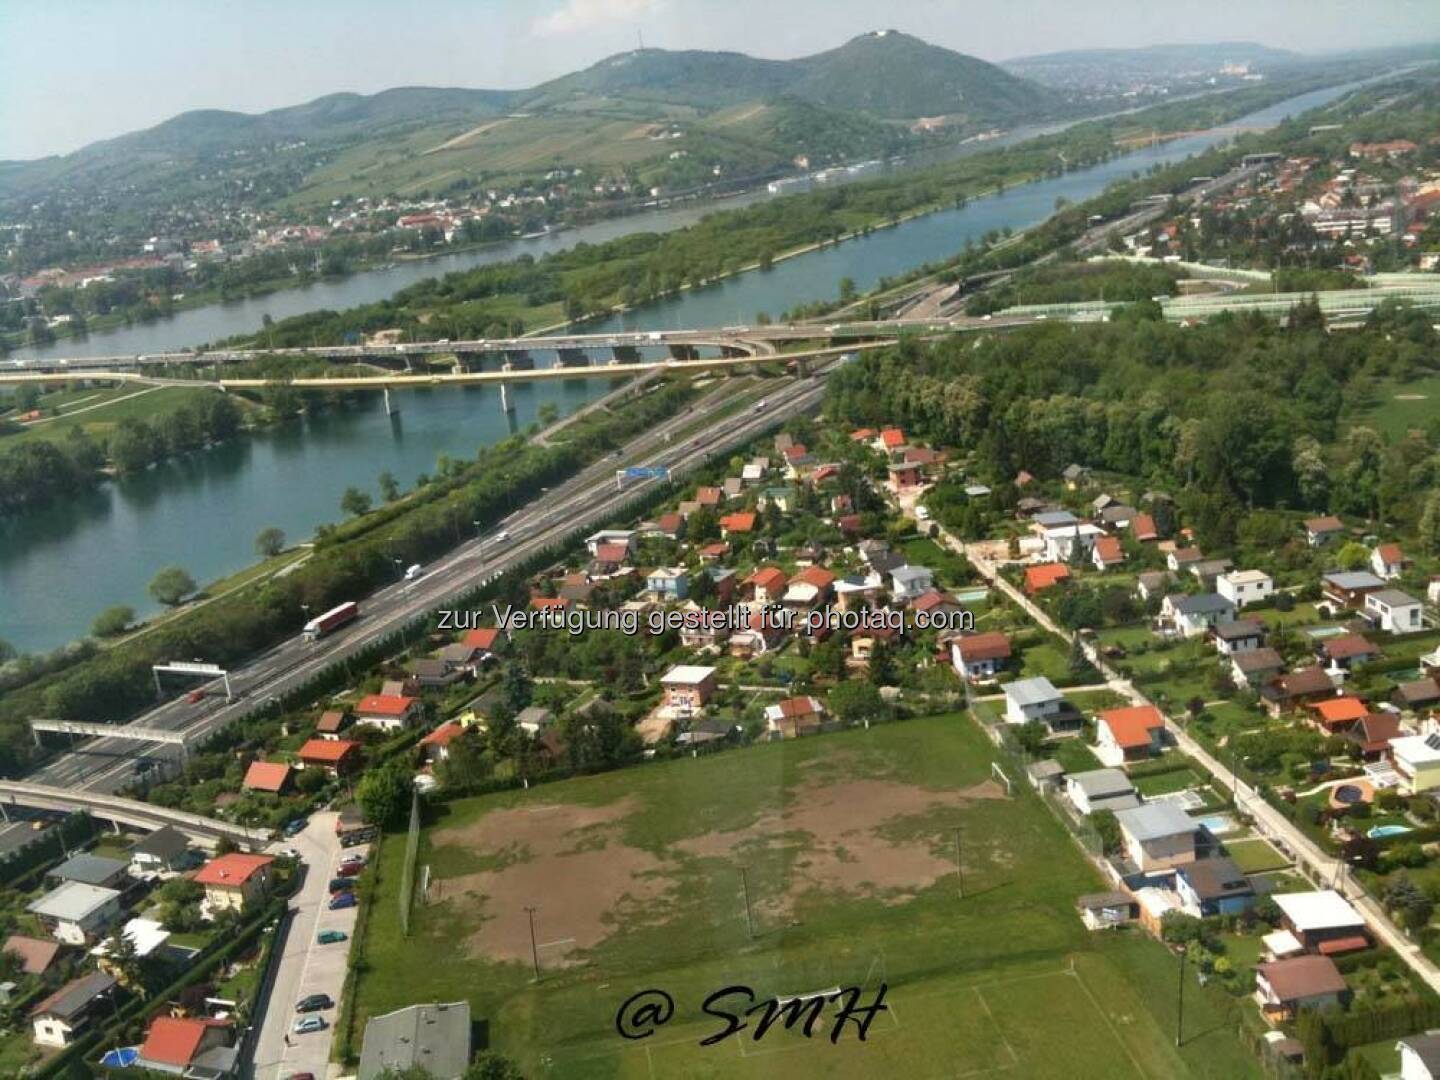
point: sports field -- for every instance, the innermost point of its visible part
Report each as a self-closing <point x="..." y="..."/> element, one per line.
<point x="847" y="843"/>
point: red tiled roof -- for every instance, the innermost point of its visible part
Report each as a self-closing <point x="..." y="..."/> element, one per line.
<point x="327" y="751"/>
<point x="330" y="722"/>
<point x="930" y="598"/>
<point x="35" y="955"/>
<point x="1329" y="523"/>
<point x="814" y="575"/>
<point x="991" y="645"/>
<point x="1131" y="726"/>
<point x="233" y="869"/>
<point x="1347" y="646"/>
<point x="1108" y="549"/>
<point x="616" y="553"/>
<point x="742" y="522"/>
<point x="549" y="603"/>
<point x="483" y="638"/>
<point x="709" y="496"/>
<point x="1343" y="945"/>
<point x="1340" y="709"/>
<point x="174" y="1041"/>
<point x="1390" y="553"/>
<point x="384" y="705"/>
<point x="1044" y="576"/>
<point x="669" y="522"/>
<point x="444" y="735"/>
<point x="266" y="776"/>
<point x="861" y="434"/>
<point x="892" y="437"/>
<point x="770" y="578"/>
<point x="798" y="706"/>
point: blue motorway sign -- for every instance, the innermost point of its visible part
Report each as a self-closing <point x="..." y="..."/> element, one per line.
<point x="646" y="472"/>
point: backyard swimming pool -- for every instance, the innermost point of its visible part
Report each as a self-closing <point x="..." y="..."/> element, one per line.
<point x="1219" y="824"/>
<point x="1379" y="832"/>
<point x="1320" y="632"/>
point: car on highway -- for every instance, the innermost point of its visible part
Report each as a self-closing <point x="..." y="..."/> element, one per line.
<point x="760" y="405"/>
<point x="194" y="696"/>
<point x="502" y="536"/>
<point x="331" y="937"/>
<point x="314" y="1003"/>
<point x="309" y="1024"/>
<point x="342" y="900"/>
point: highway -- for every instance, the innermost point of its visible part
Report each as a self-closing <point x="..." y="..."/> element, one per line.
<point x="583" y="501"/>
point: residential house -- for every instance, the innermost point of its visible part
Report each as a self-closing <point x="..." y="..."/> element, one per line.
<point x="1153" y="583"/>
<point x="1214" y="886"/>
<point x="740" y="523"/>
<point x="1100" y="789"/>
<point x="1208" y="571"/>
<point x="1417" y="694"/>
<point x="610" y="557"/>
<point x="709" y="497"/>
<point x="936" y="606"/>
<point x="1348" y="588"/>
<point x="1417" y="759"/>
<point x="782" y="498"/>
<point x="1295" y="689"/>
<point x="1194" y="615"/>
<point x="1032" y="699"/>
<point x="462" y="657"/>
<point x="1045" y="576"/>
<point x="1157" y="836"/>
<point x="1322" y="530"/>
<point x="337" y="757"/>
<point x="755" y="470"/>
<point x="433" y="673"/>
<point x="1323" y="921"/>
<point x="1135" y="733"/>
<point x="76" y="913"/>
<point x="1420" y="1056"/>
<point x="908" y="582"/>
<point x="389" y="712"/>
<point x="703" y="628"/>
<point x="1393" y="611"/>
<point x="1046" y="774"/>
<point x="725" y="581"/>
<point x="760" y="635"/>
<point x="64" y="1016"/>
<point x="1061" y="541"/>
<point x="687" y="688"/>
<point x="91" y="870"/>
<point x="1142" y="528"/>
<point x="1238" y="635"/>
<point x="889" y="440"/>
<point x="1075" y="476"/>
<point x="331" y="723"/>
<point x="1106" y="910"/>
<point x="1245" y="587"/>
<point x="1346" y="650"/>
<point x="1043" y="520"/>
<point x="232" y="881"/>
<point x="1373" y="733"/>
<point x="668" y="582"/>
<point x="1387" y="561"/>
<point x="980" y="656"/>
<point x="271" y="777"/>
<point x="1182" y="559"/>
<point x="857" y="591"/>
<point x="713" y="552"/>
<point x="767" y="585"/>
<point x="35" y="954"/>
<point x="1255" y="666"/>
<point x="904" y="475"/>
<point x="534" y="719"/>
<point x="435" y="747"/>
<point x="794" y="717"/>
<point x="165" y="849"/>
<point x="1284" y="987"/>
<point x="809" y="588"/>
<point x="435" y="1038"/>
<point x="627" y="537"/>
<point x="1106" y="552"/>
<point x="197" y="1046"/>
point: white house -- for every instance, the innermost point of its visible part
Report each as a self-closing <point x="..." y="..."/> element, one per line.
<point x="77" y="914"/>
<point x="1100" y="789"/>
<point x="611" y="536"/>
<point x="1394" y="611"/>
<point x="62" y="1016"/>
<point x="1419" y="1056"/>
<point x="1157" y="836"/>
<point x="908" y="582"/>
<point x="1194" y="615"/>
<point x="1133" y="733"/>
<point x="1238" y="635"/>
<point x="1387" y="561"/>
<point x="1060" y="540"/>
<point x="1031" y="699"/>
<point x="1242" y="587"/>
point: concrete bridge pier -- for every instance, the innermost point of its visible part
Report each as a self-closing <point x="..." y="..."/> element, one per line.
<point x="684" y="352"/>
<point x="519" y="360"/>
<point x="390" y="407"/>
<point x="506" y="405"/>
<point x="571" y="358"/>
<point x="625" y="354"/>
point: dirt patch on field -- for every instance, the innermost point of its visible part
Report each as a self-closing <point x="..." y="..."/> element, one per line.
<point x="1411" y="397"/>
<point x="578" y="875"/>
<point x="871" y="837"/>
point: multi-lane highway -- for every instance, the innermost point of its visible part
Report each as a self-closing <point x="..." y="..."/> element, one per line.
<point x="584" y="500"/>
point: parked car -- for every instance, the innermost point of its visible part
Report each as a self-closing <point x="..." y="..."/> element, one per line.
<point x="314" y="1003"/>
<point x="331" y="937"/>
<point x="349" y="869"/>
<point x="289" y="853"/>
<point x="295" y="827"/>
<point x="355" y="858"/>
<point x="308" y="1024"/>
<point x="342" y="900"/>
<point x="341" y="884"/>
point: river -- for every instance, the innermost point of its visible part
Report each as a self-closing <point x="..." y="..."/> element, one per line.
<point x="61" y="566"/>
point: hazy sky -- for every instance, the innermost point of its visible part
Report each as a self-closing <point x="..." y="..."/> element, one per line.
<point x="72" y="71"/>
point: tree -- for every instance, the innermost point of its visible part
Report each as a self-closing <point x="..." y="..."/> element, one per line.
<point x="1108" y="829"/>
<point x="517" y="687"/>
<point x="269" y="542"/>
<point x="171" y="585"/>
<point x="354" y="502"/>
<point x="113" y="620"/>
<point x="122" y="957"/>
<point x="882" y="665"/>
<point x="389" y="486"/>
<point x="1429" y="531"/>
<point x="492" y="1066"/>
<point x="856" y="702"/>
<point x="7" y="651"/>
<point x="1353" y="556"/>
<point x="384" y="793"/>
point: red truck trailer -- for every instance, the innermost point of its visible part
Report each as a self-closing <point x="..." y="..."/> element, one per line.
<point x="333" y="619"/>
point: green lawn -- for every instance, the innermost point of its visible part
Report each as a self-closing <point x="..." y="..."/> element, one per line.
<point x="1165" y="783"/>
<point x="1255" y="856"/>
<point x="1399" y="407"/>
<point x="994" y="980"/>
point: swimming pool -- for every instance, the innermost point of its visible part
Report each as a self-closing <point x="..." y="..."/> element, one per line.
<point x="1379" y="832"/>
<point x="1219" y="824"/>
<point x="1319" y="632"/>
<point x="971" y="596"/>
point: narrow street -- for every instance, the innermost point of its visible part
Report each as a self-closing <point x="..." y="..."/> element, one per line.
<point x="1321" y="868"/>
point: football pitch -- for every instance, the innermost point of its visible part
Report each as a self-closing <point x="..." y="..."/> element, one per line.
<point x="792" y="870"/>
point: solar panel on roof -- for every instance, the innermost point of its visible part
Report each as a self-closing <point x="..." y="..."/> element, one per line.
<point x="1433" y="741"/>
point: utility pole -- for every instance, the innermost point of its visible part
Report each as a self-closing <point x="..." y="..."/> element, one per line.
<point x="745" y="893"/>
<point x="1180" y="1001"/>
<point x="959" y="869"/>
<point x="535" y="949"/>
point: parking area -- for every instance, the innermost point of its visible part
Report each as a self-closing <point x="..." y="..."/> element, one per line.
<point x="306" y="965"/>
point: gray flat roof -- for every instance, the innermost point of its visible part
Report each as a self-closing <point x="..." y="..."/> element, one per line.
<point x="164" y="843"/>
<point x="1034" y="691"/>
<point x="434" y="1037"/>
<point x="75" y="996"/>
<point x="1154" y="820"/>
<point x="1394" y="598"/>
<point x="1100" y="782"/>
<point x="88" y="869"/>
<point x="72" y="901"/>
<point x="1354" y="579"/>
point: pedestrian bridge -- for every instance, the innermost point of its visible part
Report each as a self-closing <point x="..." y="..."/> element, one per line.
<point x="129" y="812"/>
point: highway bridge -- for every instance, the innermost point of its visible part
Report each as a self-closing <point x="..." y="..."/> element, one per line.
<point x="128" y="812"/>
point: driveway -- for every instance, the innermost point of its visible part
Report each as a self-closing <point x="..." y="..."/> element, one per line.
<point x="306" y="967"/>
